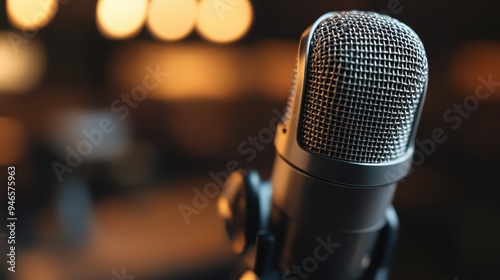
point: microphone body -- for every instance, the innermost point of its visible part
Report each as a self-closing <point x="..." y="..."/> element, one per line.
<point x="345" y="142"/>
<point x="327" y="231"/>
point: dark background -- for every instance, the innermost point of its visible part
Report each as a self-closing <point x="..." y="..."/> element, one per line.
<point x="116" y="212"/>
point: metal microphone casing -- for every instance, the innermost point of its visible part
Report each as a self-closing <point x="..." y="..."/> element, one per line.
<point x="321" y="196"/>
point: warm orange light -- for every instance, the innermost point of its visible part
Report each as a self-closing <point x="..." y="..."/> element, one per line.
<point x="172" y="19"/>
<point x="215" y="72"/>
<point x="30" y="14"/>
<point x="472" y="63"/>
<point x="196" y="71"/>
<point x="21" y="64"/>
<point x="224" y="21"/>
<point x="120" y="19"/>
<point x="12" y="140"/>
<point x="224" y="208"/>
<point x="199" y="72"/>
<point x="275" y="61"/>
<point x="249" y="275"/>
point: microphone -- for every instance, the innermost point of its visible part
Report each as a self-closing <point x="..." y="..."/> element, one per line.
<point x="345" y="141"/>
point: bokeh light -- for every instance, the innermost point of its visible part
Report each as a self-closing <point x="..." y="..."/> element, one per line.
<point x="172" y="19"/>
<point x="249" y="275"/>
<point x="31" y="14"/>
<point x="224" y="21"/>
<point x="81" y="134"/>
<point x="196" y="70"/>
<point x="472" y="62"/>
<point x="273" y="62"/>
<point x="200" y="71"/>
<point x="121" y="19"/>
<point x="194" y="74"/>
<point x="22" y="63"/>
<point x="13" y="140"/>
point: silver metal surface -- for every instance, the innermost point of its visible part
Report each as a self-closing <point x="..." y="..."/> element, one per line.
<point x="365" y="76"/>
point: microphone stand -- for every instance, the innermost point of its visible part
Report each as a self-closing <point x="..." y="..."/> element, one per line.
<point x="248" y="223"/>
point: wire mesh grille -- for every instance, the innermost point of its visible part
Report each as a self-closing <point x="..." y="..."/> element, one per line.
<point x="291" y="94"/>
<point x="365" y="76"/>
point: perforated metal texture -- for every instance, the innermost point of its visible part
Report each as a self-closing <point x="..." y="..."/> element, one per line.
<point x="366" y="73"/>
<point x="291" y="94"/>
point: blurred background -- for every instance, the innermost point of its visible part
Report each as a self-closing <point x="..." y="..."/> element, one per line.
<point x="113" y="111"/>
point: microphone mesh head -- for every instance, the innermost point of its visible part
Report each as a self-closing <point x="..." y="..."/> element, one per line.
<point x="366" y="73"/>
